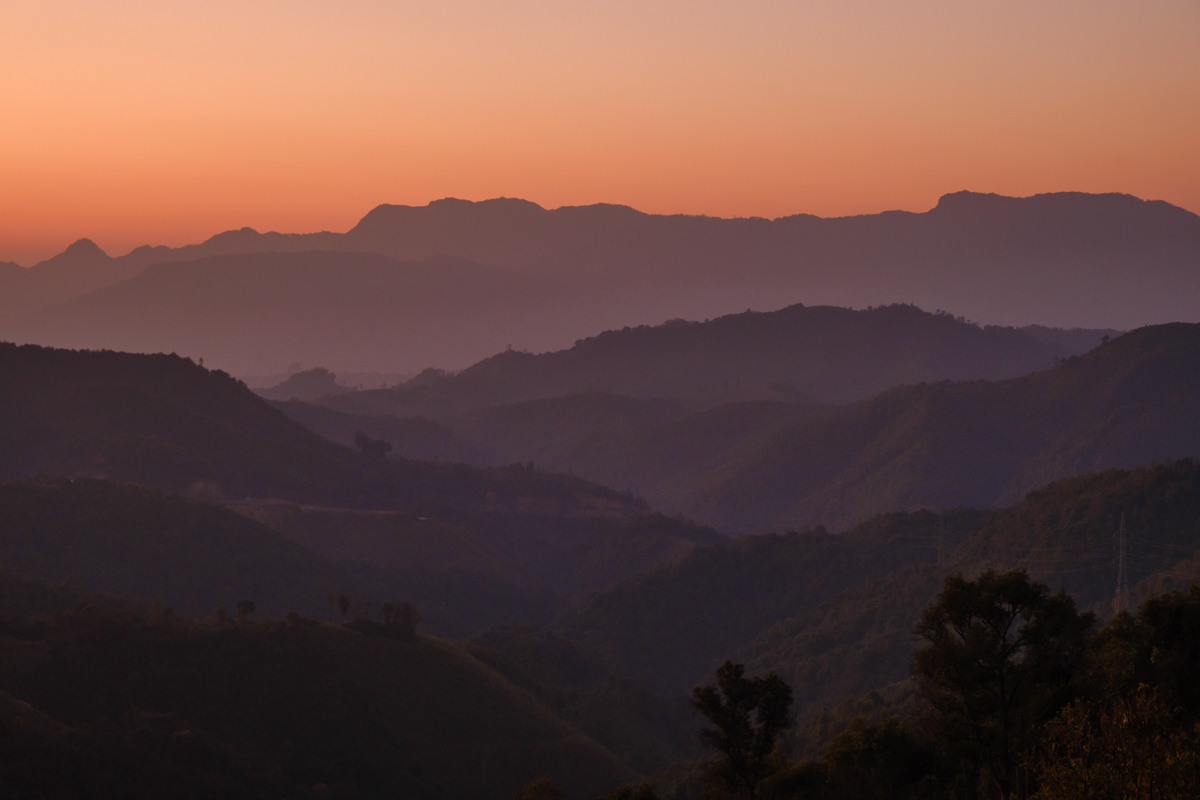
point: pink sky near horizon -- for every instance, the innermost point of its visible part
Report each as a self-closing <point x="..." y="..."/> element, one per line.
<point x="134" y="123"/>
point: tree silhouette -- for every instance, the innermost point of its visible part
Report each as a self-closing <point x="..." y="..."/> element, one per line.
<point x="245" y="609"/>
<point x="748" y="715"/>
<point x="408" y="618"/>
<point x="541" y="789"/>
<point x="371" y="448"/>
<point x="1130" y="747"/>
<point x="344" y="604"/>
<point x="1001" y="652"/>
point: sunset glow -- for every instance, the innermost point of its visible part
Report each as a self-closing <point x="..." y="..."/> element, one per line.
<point x="137" y="122"/>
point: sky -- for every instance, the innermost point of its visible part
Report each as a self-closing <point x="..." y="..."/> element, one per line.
<point x="135" y="122"/>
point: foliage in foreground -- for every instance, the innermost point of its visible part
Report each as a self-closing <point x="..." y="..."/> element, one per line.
<point x="1022" y="700"/>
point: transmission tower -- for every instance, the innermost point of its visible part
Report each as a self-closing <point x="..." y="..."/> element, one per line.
<point x="1121" y="598"/>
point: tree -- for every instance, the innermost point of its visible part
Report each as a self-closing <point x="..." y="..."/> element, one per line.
<point x="541" y="789"/>
<point x="748" y="715"/>
<point x="376" y="449"/>
<point x="344" y="604"/>
<point x="1001" y="653"/>
<point x="1172" y="622"/>
<point x="1128" y="748"/>
<point x="870" y="762"/>
<point x="245" y="609"/>
<point x="406" y="617"/>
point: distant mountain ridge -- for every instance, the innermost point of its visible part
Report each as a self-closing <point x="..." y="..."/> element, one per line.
<point x="821" y="354"/>
<point x="474" y="546"/>
<point x="770" y="464"/>
<point x="249" y="312"/>
<point x="1067" y="260"/>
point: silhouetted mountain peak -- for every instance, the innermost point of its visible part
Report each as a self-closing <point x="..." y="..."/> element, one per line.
<point x="82" y="253"/>
<point x="307" y="385"/>
<point x="503" y="203"/>
<point x="85" y="247"/>
<point x="1052" y="206"/>
<point x="239" y="236"/>
<point x="448" y="211"/>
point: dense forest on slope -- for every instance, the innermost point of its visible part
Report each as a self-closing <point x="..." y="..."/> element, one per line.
<point x="755" y="466"/>
<point x="553" y="558"/>
<point x="252" y="709"/>
<point x="669" y="627"/>
<point x="821" y="353"/>
<point x="648" y="731"/>
<point x="1127" y="403"/>
<point x="137" y="542"/>
<point x="833" y="615"/>
<point x="86" y="536"/>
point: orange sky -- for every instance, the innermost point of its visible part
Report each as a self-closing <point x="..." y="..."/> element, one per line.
<point x="148" y="122"/>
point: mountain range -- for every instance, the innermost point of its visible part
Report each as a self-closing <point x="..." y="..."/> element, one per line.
<point x="447" y="284"/>
<point x="475" y="546"/>
<point x="582" y="617"/>
<point x="744" y="454"/>
<point x="512" y="567"/>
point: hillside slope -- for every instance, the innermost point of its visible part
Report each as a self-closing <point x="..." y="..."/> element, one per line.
<point x="139" y="543"/>
<point x="163" y="421"/>
<point x="830" y="355"/>
<point x="304" y="703"/>
<point x="671" y="627"/>
<point x="774" y="464"/>
<point x="834" y="615"/>
<point x="985" y="444"/>
<point x="474" y="547"/>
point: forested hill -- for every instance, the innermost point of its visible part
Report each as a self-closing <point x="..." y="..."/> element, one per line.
<point x="833" y="613"/>
<point x="819" y="353"/>
<point x="772" y="464"/>
<point x="103" y="704"/>
<point x="164" y="421"/>
<point x="985" y="444"/>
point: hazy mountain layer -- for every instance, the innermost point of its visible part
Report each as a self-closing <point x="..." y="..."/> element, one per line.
<point x="771" y="465"/>
<point x="166" y="422"/>
<point x="829" y="355"/>
<point x="254" y="313"/>
<point x="1130" y="402"/>
<point x="1069" y="260"/>
<point x="476" y="547"/>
